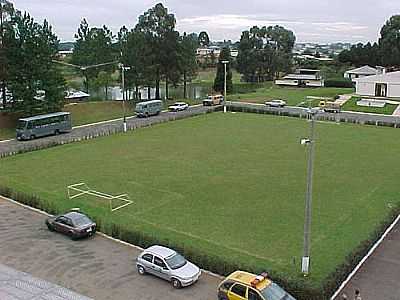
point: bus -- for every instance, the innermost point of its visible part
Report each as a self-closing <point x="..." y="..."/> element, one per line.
<point x="148" y="108"/>
<point x="42" y="125"/>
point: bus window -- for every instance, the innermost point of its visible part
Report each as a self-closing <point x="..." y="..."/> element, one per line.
<point x="21" y="125"/>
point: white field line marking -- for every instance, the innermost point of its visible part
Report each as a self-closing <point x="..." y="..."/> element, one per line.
<point x="99" y="233"/>
<point x="370" y="252"/>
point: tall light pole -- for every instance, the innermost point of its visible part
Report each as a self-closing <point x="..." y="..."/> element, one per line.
<point x="310" y="142"/>
<point x="123" y="69"/>
<point x="225" y="62"/>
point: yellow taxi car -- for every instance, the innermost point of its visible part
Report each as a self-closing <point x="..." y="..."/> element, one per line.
<point x="241" y="285"/>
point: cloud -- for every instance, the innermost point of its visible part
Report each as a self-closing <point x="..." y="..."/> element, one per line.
<point x="311" y="20"/>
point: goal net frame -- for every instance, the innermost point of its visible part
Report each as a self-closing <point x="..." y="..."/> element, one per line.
<point x="79" y="189"/>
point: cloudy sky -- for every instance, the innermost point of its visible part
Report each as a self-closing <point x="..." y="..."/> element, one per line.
<point x="311" y="20"/>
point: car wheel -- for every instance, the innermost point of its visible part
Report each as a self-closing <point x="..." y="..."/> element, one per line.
<point x="32" y="137"/>
<point x="176" y="283"/>
<point x="57" y="132"/>
<point x="141" y="270"/>
<point x="222" y="296"/>
<point x="50" y="227"/>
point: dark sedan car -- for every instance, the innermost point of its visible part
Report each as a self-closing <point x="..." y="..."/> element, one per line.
<point x="74" y="224"/>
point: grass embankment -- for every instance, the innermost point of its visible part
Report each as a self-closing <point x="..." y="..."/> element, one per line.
<point x="6" y="133"/>
<point x="230" y="185"/>
<point x="91" y="112"/>
<point x="351" y="105"/>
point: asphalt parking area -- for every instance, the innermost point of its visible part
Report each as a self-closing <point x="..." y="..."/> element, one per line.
<point x="97" y="267"/>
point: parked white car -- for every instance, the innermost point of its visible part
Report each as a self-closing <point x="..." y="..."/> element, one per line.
<point x="167" y="264"/>
<point x="275" y="103"/>
<point x="177" y="106"/>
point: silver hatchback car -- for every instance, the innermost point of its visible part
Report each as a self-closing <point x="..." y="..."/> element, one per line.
<point x="167" y="264"/>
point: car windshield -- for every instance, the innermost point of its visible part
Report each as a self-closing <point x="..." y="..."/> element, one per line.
<point x="21" y="125"/>
<point x="82" y="220"/>
<point x="275" y="292"/>
<point x="176" y="261"/>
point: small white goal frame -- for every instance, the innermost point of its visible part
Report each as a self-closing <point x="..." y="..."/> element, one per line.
<point x="83" y="189"/>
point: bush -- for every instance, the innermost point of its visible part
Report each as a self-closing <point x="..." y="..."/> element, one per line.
<point x="339" y="83"/>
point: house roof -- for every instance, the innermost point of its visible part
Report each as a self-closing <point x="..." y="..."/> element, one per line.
<point x="364" y="70"/>
<point x="392" y="77"/>
<point x="301" y="77"/>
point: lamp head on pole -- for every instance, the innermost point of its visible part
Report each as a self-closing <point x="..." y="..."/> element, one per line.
<point x="225" y="61"/>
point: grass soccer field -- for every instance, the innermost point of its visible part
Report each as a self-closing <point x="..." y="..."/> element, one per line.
<point x="232" y="185"/>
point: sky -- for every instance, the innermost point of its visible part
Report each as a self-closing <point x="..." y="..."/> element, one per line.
<point x="321" y="21"/>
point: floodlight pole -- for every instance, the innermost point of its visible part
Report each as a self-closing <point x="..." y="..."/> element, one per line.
<point x="123" y="68"/>
<point x="225" y="62"/>
<point x="308" y="206"/>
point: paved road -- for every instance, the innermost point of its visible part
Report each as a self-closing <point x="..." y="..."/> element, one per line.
<point x="95" y="129"/>
<point x="379" y="277"/>
<point x="15" y="285"/>
<point x="97" y="267"/>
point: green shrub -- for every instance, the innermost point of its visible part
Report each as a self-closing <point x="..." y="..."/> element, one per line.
<point x="339" y="83"/>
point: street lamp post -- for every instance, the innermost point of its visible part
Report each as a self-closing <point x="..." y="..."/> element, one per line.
<point x="225" y="62"/>
<point x="310" y="142"/>
<point x="123" y="69"/>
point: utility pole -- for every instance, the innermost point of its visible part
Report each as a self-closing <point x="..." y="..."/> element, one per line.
<point x="225" y="62"/>
<point x="123" y="68"/>
<point x="310" y="142"/>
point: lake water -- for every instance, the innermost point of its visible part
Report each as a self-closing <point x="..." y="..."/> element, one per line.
<point x="193" y="91"/>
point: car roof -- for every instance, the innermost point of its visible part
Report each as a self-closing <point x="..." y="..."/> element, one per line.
<point x="246" y="278"/>
<point x="164" y="252"/>
<point x="73" y="215"/>
<point x="179" y="103"/>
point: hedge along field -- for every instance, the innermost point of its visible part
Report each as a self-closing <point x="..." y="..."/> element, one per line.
<point x="230" y="185"/>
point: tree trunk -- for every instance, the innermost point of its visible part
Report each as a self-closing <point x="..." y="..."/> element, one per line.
<point x="137" y="93"/>
<point x="166" y="88"/>
<point x="148" y="93"/>
<point x="106" y="92"/>
<point x="4" y="96"/>
<point x="158" y="84"/>
<point x="184" y="84"/>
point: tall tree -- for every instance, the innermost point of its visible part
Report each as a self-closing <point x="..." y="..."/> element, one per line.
<point x="219" y="80"/>
<point x="6" y="14"/>
<point x="187" y="59"/>
<point x="35" y="82"/>
<point x="389" y="42"/>
<point x="204" y="39"/>
<point x="157" y="25"/>
<point x="93" y="46"/>
<point x="265" y="52"/>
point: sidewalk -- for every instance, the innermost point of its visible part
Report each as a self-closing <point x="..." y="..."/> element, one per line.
<point x="15" y="285"/>
<point x="379" y="276"/>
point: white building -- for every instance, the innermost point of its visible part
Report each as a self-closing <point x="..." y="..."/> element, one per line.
<point x="362" y="72"/>
<point x="302" y="78"/>
<point x="382" y="85"/>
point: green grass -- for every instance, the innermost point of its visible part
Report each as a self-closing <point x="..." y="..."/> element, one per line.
<point x="207" y="76"/>
<point x="6" y="133"/>
<point x="292" y="95"/>
<point x="232" y="185"/>
<point x="91" y="112"/>
<point x="352" y="106"/>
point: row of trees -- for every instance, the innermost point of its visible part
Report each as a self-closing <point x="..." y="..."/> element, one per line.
<point x="29" y="81"/>
<point x="153" y="50"/>
<point x="386" y="52"/>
